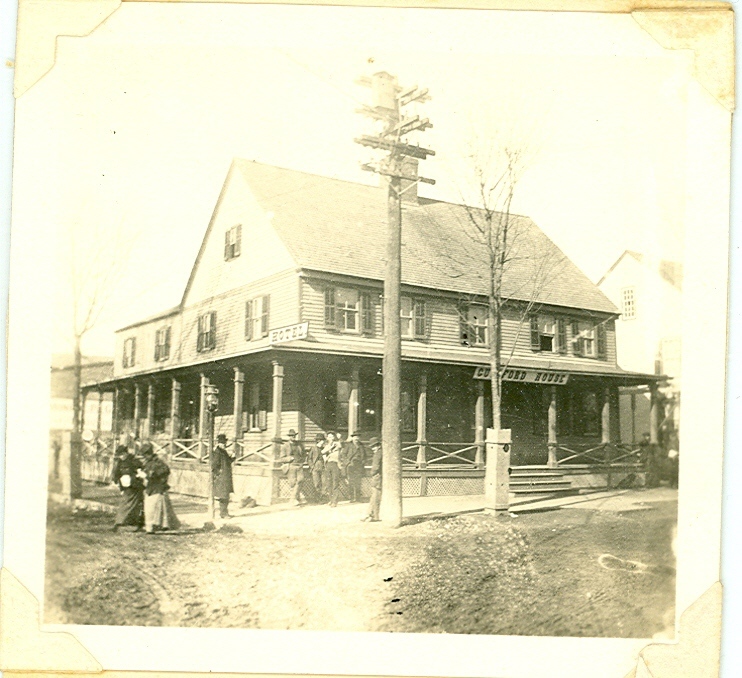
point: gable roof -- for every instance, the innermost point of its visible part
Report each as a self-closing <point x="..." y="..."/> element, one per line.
<point x="670" y="271"/>
<point x="339" y="227"/>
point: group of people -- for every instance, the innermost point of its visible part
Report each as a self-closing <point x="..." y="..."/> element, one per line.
<point x="330" y="465"/>
<point x="142" y="478"/>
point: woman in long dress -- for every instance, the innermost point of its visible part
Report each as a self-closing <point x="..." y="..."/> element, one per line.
<point x="125" y="475"/>
<point x="158" y="510"/>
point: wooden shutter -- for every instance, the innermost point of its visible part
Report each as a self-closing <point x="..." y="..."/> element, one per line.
<point x="212" y="330"/>
<point x="248" y="320"/>
<point x="226" y="245"/>
<point x="237" y="240"/>
<point x="576" y="339"/>
<point x="561" y="337"/>
<point x="464" y="330"/>
<point x="157" y="344"/>
<point x="200" y="339"/>
<point x="265" y="305"/>
<point x="420" y="319"/>
<point x="330" y="315"/>
<point x="367" y="313"/>
<point x="535" y="334"/>
<point x="133" y="355"/>
<point x="167" y="342"/>
<point x="601" y="341"/>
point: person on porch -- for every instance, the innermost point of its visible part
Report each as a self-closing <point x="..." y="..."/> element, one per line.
<point x="354" y="462"/>
<point x="221" y="465"/>
<point x="293" y="454"/>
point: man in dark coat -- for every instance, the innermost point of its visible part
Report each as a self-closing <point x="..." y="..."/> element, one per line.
<point x="125" y="468"/>
<point x="376" y="462"/>
<point x="221" y="466"/>
<point x="292" y="453"/>
<point x="316" y="461"/>
<point x="355" y="460"/>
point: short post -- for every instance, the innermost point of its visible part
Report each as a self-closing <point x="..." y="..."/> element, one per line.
<point x="552" y="441"/>
<point x="497" y="471"/>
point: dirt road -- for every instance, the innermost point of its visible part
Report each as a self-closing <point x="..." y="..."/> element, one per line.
<point x="572" y="571"/>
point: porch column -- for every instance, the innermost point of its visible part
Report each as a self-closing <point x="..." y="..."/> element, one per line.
<point x="277" y="407"/>
<point x="202" y="414"/>
<point x="353" y="402"/>
<point x="479" y="424"/>
<point x="239" y="390"/>
<point x="552" y="440"/>
<point x="150" y="408"/>
<point x="137" y="413"/>
<point x="422" y="421"/>
<point x="633" y="418"/>
<point x="654" y="415"/>
<point x="174" y="413"/>
<point x="115" y="415"/>
<point x="605" y="424"/>
<point x="100" y="413"/>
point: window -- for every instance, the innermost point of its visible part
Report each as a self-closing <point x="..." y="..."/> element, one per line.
<point x="583" y="338"/>
<point x="628" y="303"/>
<point x="206" y="331"/>
<point x="162" y="343"/>
<point x="130" y="352"/>
<point x="256" y="317"/>
<point x="474" y="326"/>
<point x="413" y="318"/>
<point x="548" y="334"/>
<point x="348" y="310"/>
<point x="232" y="242"/>
<point x="257" y="407"/>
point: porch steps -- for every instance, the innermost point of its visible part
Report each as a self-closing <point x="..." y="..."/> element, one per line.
<point x="538" y="480"/>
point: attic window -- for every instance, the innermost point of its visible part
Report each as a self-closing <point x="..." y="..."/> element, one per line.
<point x="628" y="303"/>
<point x="232" y="242"/>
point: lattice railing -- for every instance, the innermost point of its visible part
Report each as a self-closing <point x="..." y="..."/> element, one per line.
<point x="602" y="454"/>
<point x="244" y="456"/>
<point x="442" y="455"/>
<point x="186" y="449"/>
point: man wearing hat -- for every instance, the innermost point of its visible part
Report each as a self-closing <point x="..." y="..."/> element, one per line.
<point x="355" y="460"/>
<point x="375" y="502"/>
<point x="316" y="461"/>
<point x="292" y="453"/>
<point x="221" y="466"/>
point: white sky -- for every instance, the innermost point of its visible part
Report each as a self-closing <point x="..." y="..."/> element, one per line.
<point x="136" y="125"/>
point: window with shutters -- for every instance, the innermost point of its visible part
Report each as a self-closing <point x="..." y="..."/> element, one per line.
<point x="583" y="338"/>
<point x="257" y="317"/>
<point x="349" y="310"/>
<point x="232" y="242"/>
<point x="130" y="352"/>
<point x="162" y="343"/>
<point x="206" y="331"/>
<point x="601" y="341"/>
<point x="413" y="319"/>
<point x="628" y="303"/>
<point x="474" y="325"/>
<point x="548" y="334"/>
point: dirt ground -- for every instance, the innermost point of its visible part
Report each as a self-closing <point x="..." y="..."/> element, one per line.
<point x="571" y="571"/>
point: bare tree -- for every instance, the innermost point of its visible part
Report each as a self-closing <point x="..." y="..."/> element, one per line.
<point x="96" y="255"/>
<point x="505" y="252"/>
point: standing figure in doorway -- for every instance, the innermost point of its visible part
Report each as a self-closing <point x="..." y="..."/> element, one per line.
<point x="376" y="463"/>
<point x="158" y="511"/>
<point x="131" y="509"/>
<point x="221" y="466"/>
<point x="293" y="454"/>
<point x="355" y="460"/>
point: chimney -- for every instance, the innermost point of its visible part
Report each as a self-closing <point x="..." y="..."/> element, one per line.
<point x="409" y="188"/>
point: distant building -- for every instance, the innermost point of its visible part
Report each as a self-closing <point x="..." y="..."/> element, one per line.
<point x="648" y="292"/>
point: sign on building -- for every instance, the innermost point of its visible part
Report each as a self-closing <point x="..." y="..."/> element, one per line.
<point x="525" y="376"/>
<point x="290" y="333"/>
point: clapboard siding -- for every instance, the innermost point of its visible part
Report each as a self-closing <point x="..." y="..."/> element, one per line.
<point x="443" y="326"/>
<point x="230" y="325"/>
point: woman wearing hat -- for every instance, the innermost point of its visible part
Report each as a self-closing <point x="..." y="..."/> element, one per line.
<point x="131" y="509"/>
<point x="158" y="511"/>
<point x="221" y="465"/>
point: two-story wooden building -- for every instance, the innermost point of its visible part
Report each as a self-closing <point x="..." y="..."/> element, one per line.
<point x="283" y="313"/>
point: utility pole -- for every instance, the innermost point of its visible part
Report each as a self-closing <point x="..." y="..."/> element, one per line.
<point x="388" y="98"/>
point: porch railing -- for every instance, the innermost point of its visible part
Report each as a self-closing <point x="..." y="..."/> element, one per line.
<point x="443" y="455"/>
<point x="245" y="456"/>
<point x="186" y="449"/>
<point x="603" y="454"/>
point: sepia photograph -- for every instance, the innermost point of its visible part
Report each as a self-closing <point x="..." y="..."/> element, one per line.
<point x="369" y="320"/>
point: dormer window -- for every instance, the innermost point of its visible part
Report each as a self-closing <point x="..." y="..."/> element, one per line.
<point x="232" y="242"/>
